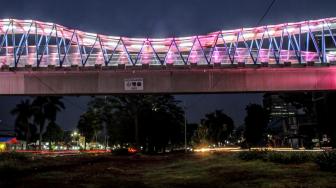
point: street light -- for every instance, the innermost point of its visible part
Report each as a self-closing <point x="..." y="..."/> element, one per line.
<point x="76" y="136"/>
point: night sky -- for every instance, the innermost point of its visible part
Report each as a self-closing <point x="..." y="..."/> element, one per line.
<point x="160" y="18"/>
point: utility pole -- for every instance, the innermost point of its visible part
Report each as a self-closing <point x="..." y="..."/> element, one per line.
<point x="315" y="100"/>
<point x="185" y="127"/>
<point x="105" y="129"/>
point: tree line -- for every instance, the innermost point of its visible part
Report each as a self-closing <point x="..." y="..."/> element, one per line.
<point x="157" y="122"/>
<point x="152" y="122"/>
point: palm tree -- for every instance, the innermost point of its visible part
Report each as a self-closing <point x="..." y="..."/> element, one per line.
<point x="53" y="106"/>
<point x="23" y="125"/>
<point x="219" y="125"/>
<point x="89" y="125"/>
<point x="54" y="133"/>
<point x="38" y="107"/>
<point x="150" y="121"/>
<point x="142" y="111"/>
<point x="127" y="105"/>
<point x="46" y="109"/>
<point x="132" y="106"/>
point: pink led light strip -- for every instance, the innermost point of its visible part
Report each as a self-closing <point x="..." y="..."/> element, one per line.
<point x="240" y="45"/>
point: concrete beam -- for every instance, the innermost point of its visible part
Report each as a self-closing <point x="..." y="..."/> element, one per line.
<point x="176" y="81"/>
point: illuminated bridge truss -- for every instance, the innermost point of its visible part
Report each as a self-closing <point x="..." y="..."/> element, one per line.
<point x="40" y="44"/>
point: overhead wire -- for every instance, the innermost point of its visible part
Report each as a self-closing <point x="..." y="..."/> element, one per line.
<point x="266" y="12"/>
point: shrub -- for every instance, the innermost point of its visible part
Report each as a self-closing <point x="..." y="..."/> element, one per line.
<point x="289" y="157"/>
<point x="327" y="161"/>
<point x="276" y="157"/>
<point x="252" y="155"/>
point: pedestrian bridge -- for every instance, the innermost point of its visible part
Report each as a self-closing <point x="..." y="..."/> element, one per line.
<point x="46" y="58"/>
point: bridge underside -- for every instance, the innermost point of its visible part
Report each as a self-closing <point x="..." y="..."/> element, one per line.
<point x="221" y="80"/>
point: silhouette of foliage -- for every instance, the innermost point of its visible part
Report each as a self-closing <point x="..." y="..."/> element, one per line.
<point x="255" y="124"/>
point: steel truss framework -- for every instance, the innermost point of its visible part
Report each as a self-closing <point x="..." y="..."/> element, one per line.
<point x="41" y="44"/>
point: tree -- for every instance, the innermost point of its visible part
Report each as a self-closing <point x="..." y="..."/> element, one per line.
<point x="122" y="106"/>
<point x="54" y="133"/>
<point x="45" y="109"/>
<point x="255" y="124"/>
<point x="150" y="121"/>
<point x="132" y="105"/>
<point x="192" y="128"/>
<point x="89" y="125"/>
<point x="38" y="107"/>
<point x="200" y="137"/>
<point x="24" y="128"/>
<point x="162" y="122"/>
<point x="52" y="107"/>
<point x="215" y="129"/>
<point x="219" y="126"/>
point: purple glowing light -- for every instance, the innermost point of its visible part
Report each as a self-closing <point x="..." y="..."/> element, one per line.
<point x="123" y="59"/>
<point x="149" y="50"/>
<point x="170" y="58"/>
<point x="217" y="57"/>
<point x="100" y="58"/>
<point x="146" y="55"/>
<point x="193" y="57"/>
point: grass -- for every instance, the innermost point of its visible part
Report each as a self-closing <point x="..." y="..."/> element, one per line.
<point x="227" y="171"/>
<point x="327" y="161"/>
<point x="192" y="170"/>
<point x="280" y="157"/>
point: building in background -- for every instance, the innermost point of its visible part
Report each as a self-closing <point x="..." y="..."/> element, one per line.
<point x="288" y="126"/>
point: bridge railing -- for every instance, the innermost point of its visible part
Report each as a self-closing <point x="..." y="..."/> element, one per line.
<point x="39" y="44"/>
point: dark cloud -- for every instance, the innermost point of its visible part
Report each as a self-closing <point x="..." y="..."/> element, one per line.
<point x="164" y="17"/>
